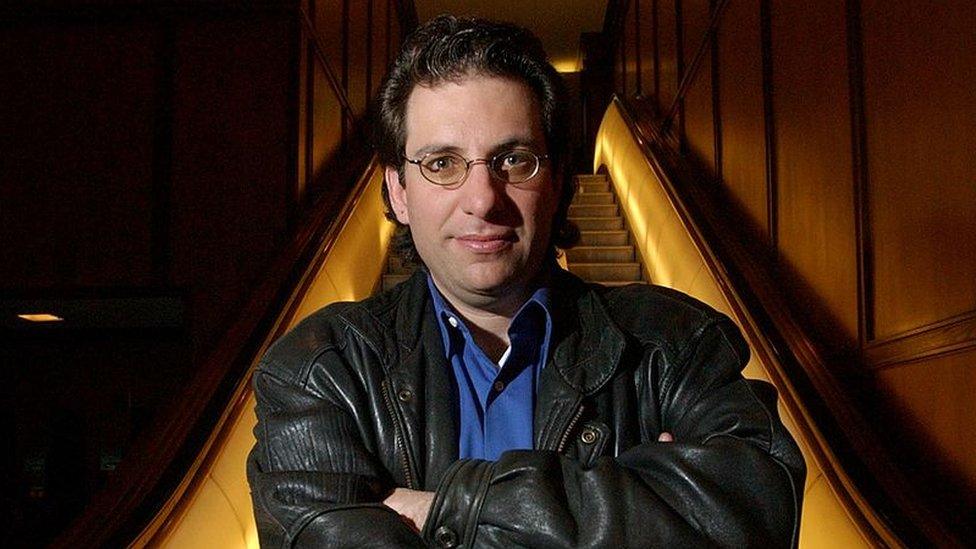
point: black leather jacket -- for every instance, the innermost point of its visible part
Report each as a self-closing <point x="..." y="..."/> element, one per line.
<point x="359" y="399"/>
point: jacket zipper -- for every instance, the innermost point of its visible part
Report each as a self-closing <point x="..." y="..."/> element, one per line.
<point x="399" y="440"/>
<point x="569" y="429"/>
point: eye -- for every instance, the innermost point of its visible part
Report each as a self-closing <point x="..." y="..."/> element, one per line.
<point x="443" y="162"/>
<point x="515" y="159"/>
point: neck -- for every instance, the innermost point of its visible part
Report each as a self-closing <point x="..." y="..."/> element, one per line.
<point x="490" y="319"/>
<point x="489" y="330"/>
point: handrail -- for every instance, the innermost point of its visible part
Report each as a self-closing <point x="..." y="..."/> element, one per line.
<point x="873" y="491"/>
<point x="156" y="461"/>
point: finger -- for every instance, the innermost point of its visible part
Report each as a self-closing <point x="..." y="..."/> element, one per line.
<point x="665" y="437"/>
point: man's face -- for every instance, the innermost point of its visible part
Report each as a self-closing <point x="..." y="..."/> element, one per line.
<point x="485" y="241"/>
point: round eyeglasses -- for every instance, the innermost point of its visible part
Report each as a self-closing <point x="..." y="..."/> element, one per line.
<point x="448" y="169"/>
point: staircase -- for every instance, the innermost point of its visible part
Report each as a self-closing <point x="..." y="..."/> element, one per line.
<point x="604" y="254"/>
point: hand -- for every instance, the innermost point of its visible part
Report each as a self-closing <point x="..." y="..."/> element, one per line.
<point x="412" y="505"/>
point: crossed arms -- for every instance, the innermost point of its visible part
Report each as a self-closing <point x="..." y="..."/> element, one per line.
<point x="321" y="472"/>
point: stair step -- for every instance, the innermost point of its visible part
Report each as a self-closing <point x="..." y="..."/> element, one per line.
<point x="600" y="254"/>
<point x="599" y="223"/>
<point x="592" y="183"/>
<point x="592" y="210"/>
<point x="590" y="176"/>
<point x="603" y="197"/>
<point x="606" y="271"/>
<point x="594" y="187"/>
<point x="604" y="238"/>
<point x="391" y="280"/>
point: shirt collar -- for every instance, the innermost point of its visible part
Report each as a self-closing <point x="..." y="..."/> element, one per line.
<point x="451" y="323"/>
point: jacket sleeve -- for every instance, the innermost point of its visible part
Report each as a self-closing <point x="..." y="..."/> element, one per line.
<point x="733" y="477"/>
<point x="314" y="482"/>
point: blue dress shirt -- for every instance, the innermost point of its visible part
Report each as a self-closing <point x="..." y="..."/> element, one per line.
<point x="497" y="401"/>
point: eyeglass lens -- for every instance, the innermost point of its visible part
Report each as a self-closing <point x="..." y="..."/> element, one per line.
<point x="447" y="168"/>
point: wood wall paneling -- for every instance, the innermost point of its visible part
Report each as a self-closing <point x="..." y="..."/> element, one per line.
<point x="950" y="335"/>
<point x="306" y="54"/>
<point x="920" y="111"/>
<point x="388" y="40"/>
<point x="326" y="124"/>
<point x="358" y="53"/>
<point x="699" y="130"/>
<point x="620" y="59"/>
<point x="630" y="51"/>
<point x="619" y="74"/>
<point x="328" y="28"/>
<point x="815" y="198"/>
<point x="396" y="30"/>
<point x="769" y="121"/>
<point x="648" y="48"/>
<point x="378" y="45"/>
<point x="694" y="17"/>
<point x="638" y="37"/>
<point x="231" y="145"/>
<point x="932" y="416"/>
<point x="681" y="57"/>
<point x="575" y="138"/>
<point x="76" y="186"/>
<point x="698" y="118"/>
<point x="667" y="54"/>
<point x="741" y="106"/>
<point x="843" y="129"/>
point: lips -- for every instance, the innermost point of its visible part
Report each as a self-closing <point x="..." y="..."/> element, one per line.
<point x="486" y="243"/>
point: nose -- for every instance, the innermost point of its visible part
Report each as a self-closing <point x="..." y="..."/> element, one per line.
<point x="482" y="193"/>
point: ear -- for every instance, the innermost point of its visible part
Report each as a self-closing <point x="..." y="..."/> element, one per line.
<point x="397" y="193"/>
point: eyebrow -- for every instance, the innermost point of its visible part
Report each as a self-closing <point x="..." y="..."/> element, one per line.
<point x="504" y="145"/>
<point x="516" y="142"/>
<point x="436" y="147"/>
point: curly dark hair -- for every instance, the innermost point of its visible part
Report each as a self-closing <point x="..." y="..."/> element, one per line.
<point x="449" y="49"/>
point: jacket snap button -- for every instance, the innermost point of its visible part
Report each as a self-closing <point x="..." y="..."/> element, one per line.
<point x="405" y="395"/>
<point x="445" y="537"/>
<point x="588" y="436"/>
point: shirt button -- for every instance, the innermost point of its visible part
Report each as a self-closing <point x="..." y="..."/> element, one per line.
<point x="499" y="386"/>
<point x="452" y="321"/>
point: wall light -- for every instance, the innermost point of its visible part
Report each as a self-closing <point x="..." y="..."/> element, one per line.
<point x="41" y="317"/>
<point x="566" y="65"/>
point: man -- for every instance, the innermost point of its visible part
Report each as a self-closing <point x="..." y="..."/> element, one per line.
<point x="494" y="400"/>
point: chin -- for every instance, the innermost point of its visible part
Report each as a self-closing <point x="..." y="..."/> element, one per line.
<point x="493" y="279"/>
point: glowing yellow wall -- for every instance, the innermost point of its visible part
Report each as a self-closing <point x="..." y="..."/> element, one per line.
<point x="354" y="264"/>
